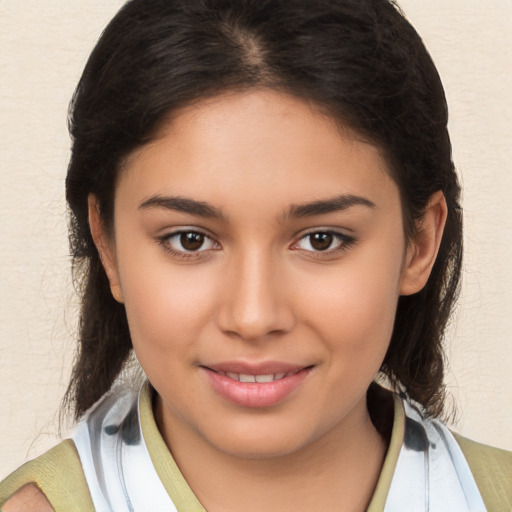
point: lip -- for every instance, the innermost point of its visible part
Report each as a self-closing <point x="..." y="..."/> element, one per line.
<point x="255" y="394"/>
<point x="263" y="368"/>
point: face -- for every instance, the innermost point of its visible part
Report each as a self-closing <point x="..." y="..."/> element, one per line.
<point x="260" y="253"/>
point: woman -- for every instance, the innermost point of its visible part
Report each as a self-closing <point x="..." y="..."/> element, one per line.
<point x="264" y="207"/>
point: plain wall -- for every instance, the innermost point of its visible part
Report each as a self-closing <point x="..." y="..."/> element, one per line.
<point x="43" y="48"/>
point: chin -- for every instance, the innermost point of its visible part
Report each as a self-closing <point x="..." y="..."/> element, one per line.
<point x="260" y="441"/>
<point x="260" y="449"/>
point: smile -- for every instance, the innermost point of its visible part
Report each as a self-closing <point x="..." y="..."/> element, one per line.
<point x="256" y="388"/>
<point x="262" y="378"/>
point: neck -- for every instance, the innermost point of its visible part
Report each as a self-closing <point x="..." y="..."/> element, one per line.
<point x="338" y="471"/>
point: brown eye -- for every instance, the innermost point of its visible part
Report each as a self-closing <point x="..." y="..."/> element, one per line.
<point x="188" y="242"/>
<point x="321" y="241"/>
<point x="192" y="241"/>
<point x="324" y="241"/>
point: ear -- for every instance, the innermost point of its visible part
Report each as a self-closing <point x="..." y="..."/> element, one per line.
<point x="105" y="247"/>
<point x="423" y="248"/>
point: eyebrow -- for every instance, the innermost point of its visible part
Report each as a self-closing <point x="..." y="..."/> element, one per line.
<point x="206" y="210"/>
<point x="324" y="206"/>
<point x="182" y="204"/>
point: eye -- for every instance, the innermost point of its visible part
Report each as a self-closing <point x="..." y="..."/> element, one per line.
<point x="188" y="242"/>
<point x="324" y="241"/>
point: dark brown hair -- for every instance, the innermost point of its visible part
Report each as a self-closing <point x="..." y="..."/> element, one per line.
<point x="359" y="60"/>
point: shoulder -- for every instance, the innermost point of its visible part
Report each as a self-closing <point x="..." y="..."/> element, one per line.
<point x="28" y="499"/>
<point x="56" y="476"/>
<point x="492" y="470"/>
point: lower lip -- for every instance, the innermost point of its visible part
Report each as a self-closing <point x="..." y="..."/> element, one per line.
<point x="256" y="394"/>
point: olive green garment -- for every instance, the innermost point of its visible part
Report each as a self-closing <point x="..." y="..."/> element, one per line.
<point x="58" y="472"/>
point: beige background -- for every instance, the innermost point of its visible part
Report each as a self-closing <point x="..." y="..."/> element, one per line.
<point x="43" y="47"/>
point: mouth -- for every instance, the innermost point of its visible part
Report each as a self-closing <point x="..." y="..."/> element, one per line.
<point x="256" y="386"/>
<point x="259" y="378"/>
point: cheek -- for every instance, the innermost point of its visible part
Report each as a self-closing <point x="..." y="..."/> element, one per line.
<point x="353" y="306"/>
<point x="166" y="305"/>
<point x="356" y="323"/>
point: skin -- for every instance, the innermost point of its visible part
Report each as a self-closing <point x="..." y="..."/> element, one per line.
<point x="28" y="499"/>
<point x="258" y="290"/>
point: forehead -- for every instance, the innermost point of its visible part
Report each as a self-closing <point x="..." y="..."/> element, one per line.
<point x="240" y="148"/>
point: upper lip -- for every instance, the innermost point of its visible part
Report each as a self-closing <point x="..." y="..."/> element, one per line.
<point x="262" y="368"/>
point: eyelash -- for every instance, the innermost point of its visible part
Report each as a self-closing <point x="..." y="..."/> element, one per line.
<point x="165" y="242"/>
<point x="344" y="242"/>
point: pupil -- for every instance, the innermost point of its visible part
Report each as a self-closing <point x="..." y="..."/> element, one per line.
<point x="192" y="241"/>
<point x="321" y="241"/>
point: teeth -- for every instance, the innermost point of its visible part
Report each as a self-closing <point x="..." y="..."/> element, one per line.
<point x="264" y="378"/>
<point x="244" y="377"/>
<point x="247" y="378"/>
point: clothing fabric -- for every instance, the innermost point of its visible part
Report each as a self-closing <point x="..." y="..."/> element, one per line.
<point x="118" y="461"/>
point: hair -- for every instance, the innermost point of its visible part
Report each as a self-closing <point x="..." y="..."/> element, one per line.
<point x="360" y="61"/>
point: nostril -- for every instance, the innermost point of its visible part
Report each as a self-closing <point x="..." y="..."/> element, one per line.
<point x="252" y="307"/>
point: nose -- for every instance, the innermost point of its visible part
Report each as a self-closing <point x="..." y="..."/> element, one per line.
<point x="255" y="303"/>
